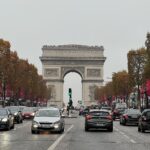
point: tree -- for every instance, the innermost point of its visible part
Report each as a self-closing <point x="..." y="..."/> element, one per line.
<point x="136" y="65"/>
<point x="147" y="67"/>
<point x="120" y="84"/>
<point x="4" y="65"/>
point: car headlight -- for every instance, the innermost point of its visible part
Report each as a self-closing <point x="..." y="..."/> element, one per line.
<point x="57" y="124"/>
<point x="4" y="120"/>
<point x="15" y="113"/>
<point x="35" y="124"/>
<point x="32" y="114"/>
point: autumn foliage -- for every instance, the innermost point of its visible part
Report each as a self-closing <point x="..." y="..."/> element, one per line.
<point x="20" y="77"/>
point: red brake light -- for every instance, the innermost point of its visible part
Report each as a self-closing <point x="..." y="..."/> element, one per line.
<point x="109" y="117"/>
<point x="126" y="116"/>
<point x="88" y="117"/>
<point x="144" y="118"/>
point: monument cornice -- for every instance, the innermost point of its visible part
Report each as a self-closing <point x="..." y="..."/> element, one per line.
<point x="72" y="58"/>
<point x="72" y="47"/>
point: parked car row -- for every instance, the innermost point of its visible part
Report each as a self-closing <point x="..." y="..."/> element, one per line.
<point x="14" y="114"/>
<point x="43" y="119"/>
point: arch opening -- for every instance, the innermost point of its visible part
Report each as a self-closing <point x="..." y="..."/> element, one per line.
<point x="73" y="80"/>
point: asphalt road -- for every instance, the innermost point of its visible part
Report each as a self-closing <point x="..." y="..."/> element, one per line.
<point x="75" y="138"/>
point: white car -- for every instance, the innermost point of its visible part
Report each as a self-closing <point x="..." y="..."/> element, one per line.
<point x="48" y="119"/>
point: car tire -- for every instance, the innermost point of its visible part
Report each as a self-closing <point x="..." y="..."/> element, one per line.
<point x="8" y="128"/>
<point x="62" y="131"/>
<point x="139" y="129"/>
<point x="86" y="128"/>
<point x="34" y="132"/>
<point x="142" y="129"/>
<point x="110" y="129"/>
<point x="21" y="121"/>
<point x="13" y="126"/>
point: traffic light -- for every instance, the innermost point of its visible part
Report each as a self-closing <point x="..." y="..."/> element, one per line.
<point x="70" y="92"/>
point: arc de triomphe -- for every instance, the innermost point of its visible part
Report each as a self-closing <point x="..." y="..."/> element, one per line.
<point x="87" y="61"/>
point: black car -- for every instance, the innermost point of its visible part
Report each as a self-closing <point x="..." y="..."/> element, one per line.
<point x="130" y="117"/>
<point x="16" y="111"/>
<point x="6" y="119"/>
<point x="144" y="121"/>
<point x="100" y="119"/>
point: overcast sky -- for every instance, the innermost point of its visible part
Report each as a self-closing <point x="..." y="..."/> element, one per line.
<point x="118" y="25"/>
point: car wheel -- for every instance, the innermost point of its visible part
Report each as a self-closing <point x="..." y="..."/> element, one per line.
<point x="8" y="128"/>
<point x="120" y="122"/>
<point x="21" y="121"/>
<point x="124" y="122"/>
<point x="110" y="129"/>
<point x="142" y="129"/>
<point x="32" y="131"/>
<point x="18" y="121"/>
<point x="114" y="118"/>
<point x="62" y="130"/>
<point x="86" y="128"/>
<point x="139" y="129"/>
<point x="13" y="126"/>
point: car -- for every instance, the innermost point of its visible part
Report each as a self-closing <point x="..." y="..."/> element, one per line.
<point x="144" y="121"/>
<point x="130" y="117"/>
<point x="100" y="119"/>
<point x="6" y="119"/>
<point x="83" y="111"/>
<point x="119" y="110"/>
<point x="48" y="119"/>
<point x="16" y="111"/>
<point x="28" y="113"/>
<point x="106" y="108"/>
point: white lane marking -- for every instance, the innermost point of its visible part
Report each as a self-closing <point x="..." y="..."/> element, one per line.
<point x="53" y="146"/>
<point x="132" y="141"/>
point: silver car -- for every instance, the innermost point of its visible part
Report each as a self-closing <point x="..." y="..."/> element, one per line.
<point x="48" y="119"/>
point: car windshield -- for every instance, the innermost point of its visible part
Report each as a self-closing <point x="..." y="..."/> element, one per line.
<point x="48" y="113"/>
<point x="26" y="109"/>
<point x="133" y="111"/>
<point x="148" y="114"/>
<point x="107" y="108"/>
<point x="14" y="109"/>
<point x="99" y="113"/>
<point x="3" y="112"/>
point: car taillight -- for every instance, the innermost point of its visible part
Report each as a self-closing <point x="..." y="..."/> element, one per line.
<point x="144" y="118"/>
<point x="115" y="111"/>
<point x="88" y="117"/>
<point x="126" y="116"/>
<point x="109" y="117"/>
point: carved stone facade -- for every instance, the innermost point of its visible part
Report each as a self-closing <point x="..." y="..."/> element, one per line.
<point x="87" y="61"/>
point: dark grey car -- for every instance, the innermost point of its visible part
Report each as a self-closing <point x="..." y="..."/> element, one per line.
<point x="6" y="119"/>
<point x="100" y="119"/>
<point x="144" y="121"/>
<point x="130" y="117"/>
<point x="48" y="119"/>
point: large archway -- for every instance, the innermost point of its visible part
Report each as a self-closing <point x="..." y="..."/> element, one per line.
<point x="74" y="81"/>
<point x="88" y="61"/>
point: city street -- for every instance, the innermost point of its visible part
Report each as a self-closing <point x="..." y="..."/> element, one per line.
<point x="74" y="138"/>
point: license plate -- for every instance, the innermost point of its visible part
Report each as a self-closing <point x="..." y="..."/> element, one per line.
<point x="100" y="124"/>
<point x="134" y="116"/>
<point x="46" y="126"/>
